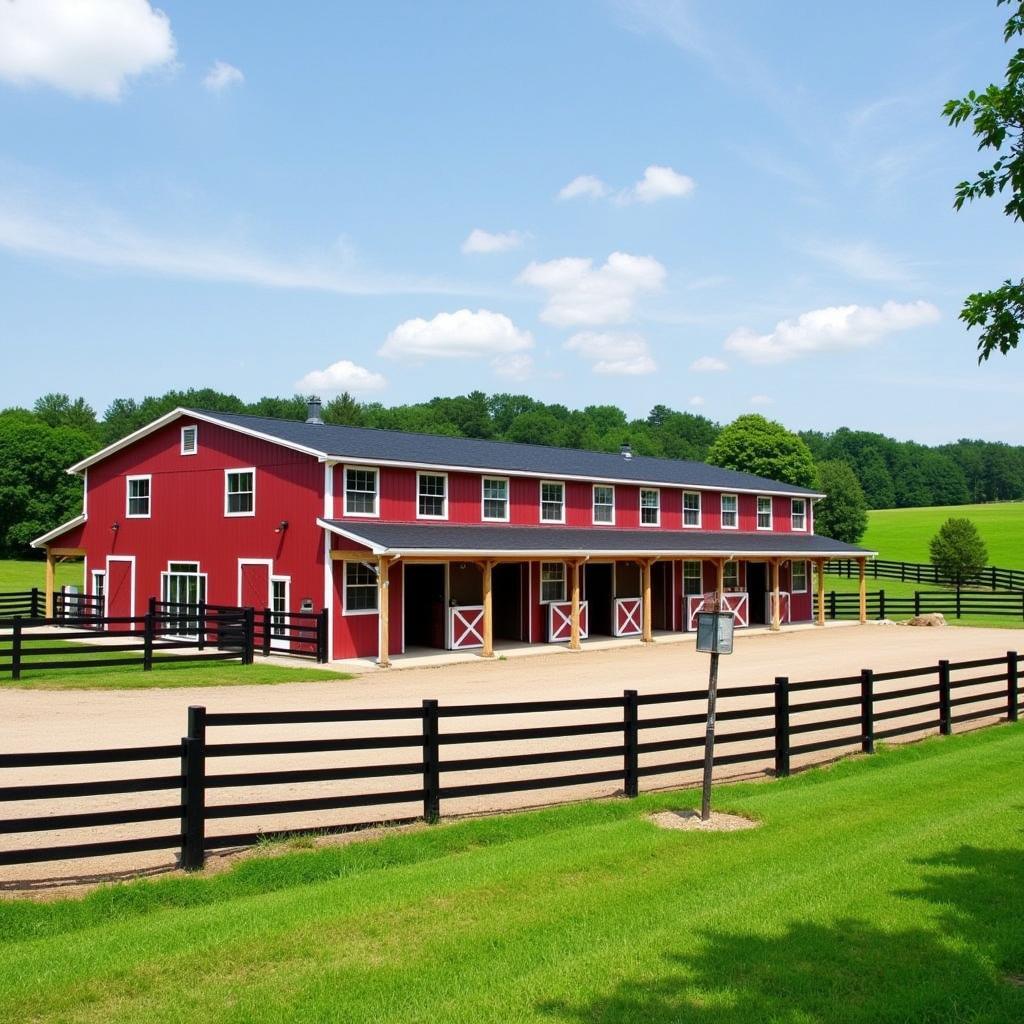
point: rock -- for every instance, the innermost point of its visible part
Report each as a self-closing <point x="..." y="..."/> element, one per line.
<point x="930" y="619"/>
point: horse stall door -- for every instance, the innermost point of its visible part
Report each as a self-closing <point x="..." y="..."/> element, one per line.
<point x="255" y="585"/>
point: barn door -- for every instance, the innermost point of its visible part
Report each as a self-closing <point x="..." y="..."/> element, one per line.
<point x="120" y="597"/>
<point x="255" y="585"/>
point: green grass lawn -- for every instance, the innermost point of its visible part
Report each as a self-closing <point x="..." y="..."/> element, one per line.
<point x="21" y="574"/>
<point x="883" y="889"/>
<point x="902" y="534"/>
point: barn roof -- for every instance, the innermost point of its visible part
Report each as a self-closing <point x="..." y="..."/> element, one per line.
<point x="454" y="539"/>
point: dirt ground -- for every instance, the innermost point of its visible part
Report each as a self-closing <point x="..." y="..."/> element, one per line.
<point x="63" y="720"/>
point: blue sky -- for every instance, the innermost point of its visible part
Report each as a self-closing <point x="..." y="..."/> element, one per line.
<point x="718" y="207"/>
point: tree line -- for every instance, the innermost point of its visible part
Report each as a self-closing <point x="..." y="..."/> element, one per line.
<point x="38" y="444"/>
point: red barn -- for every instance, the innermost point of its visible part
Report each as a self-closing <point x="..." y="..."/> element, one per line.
<point x="418" y="541"/>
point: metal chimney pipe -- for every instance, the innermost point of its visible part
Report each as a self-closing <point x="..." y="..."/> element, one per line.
<point x="313" y="410"/>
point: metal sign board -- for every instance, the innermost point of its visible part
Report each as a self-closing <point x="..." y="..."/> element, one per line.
<point x="714" y="632"/>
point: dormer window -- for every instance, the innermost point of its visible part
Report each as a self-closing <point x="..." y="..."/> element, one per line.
<point x="189" y="440"/>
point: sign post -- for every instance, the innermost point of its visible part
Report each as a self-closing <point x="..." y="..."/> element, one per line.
<point x="714" y="637"/>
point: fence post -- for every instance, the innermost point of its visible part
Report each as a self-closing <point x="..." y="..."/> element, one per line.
<point x="958" y="600"/>
<point x="202" y="626"/>
<point x="248" y="636"/>
<point x="945" y="711"/>
<point x="867" y="711"/>
<point x="917" y="602"/>
<point x="147" y="642"/>
<point x="193" y="791"/>
<point x="993" y="577"/>
<point x="832" y="604"/>
<point x="16" y="650"/>
<point x="781" y="725"/>
<point x="903" y="572"/>
<point x="1012" y="678"/>
<point x="35" y="603"/>
<point x="431" y="764"/>
<point x="266" y="632"/>
<point x="631" y="736"/>
<point x="881" y="604"/>
<point x="321" y="637"/>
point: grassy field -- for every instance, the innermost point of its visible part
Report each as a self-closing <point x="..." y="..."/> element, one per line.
<point x="902" y="534"/>
<point x="908" y="909"/>
<point x="17" y="575"/>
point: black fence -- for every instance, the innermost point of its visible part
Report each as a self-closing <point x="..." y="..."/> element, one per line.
<point x="27" y="604"/>
<point x="952" y="603"/>
<point x="430" y="752"/>
<point x="918" y="572"/>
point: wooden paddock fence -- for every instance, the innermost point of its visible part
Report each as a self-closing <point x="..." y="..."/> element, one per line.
<point x="920" y="572"/>
<point x="870" y="707"/>
<point x="952" y="603"/>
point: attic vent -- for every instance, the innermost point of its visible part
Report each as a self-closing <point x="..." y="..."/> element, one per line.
<point x="189" y="440"/>
<point x="626" y="451"/>
<point x="313" y="410"/>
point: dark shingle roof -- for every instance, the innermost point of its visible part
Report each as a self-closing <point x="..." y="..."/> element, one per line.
<point x="505" y="456"/>
<point x="496" y="539"/>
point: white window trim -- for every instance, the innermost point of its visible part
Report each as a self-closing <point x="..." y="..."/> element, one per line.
<point x="700" y="511"/>
<point x="195" y="429"/>
<point x="700" y="576"/>
<point x="419" y="475"/>
<point x="593" y="505"/>
<point x="508" y="500"/>
<point x="93" y="576"/>
<point x="375" y="514"/>
<point x="757" y="512"/>
<point x="792" y="515"/>
<point x="345" y="610"/>
<point x="227" y="476"/>
<point x="540" y="500"/>
<point x="721" y="511"/>
<point x="792" y="574"/>
<point x="148" y="514"/>
<point x="735" y="562"/>
<point x="640" y="509"/>
<point x="565" y="581"/>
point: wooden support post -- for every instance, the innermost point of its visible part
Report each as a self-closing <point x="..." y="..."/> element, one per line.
<point x="488" y="649"/>
<point x="821" y="591"/>
<point x="720" y="585"/>
<point x="574" y="633"/>
<point x="776" y="603"/>
<point x="50" y="572"/>
<point x="645" y="612"/>
<point x="383" y="633"/>
<point x="863" y="590"/>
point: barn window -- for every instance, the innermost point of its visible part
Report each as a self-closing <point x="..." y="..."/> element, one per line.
<point x="650" y="507"/>
<point x="361" y="492"/>
<point x="799" y="575"/>
<point x="799" y="514"/>
<point x="691" y="508"/>
<point x="604" y="504"/>
<point x="360" y="588"/>
<point x="693" y="582"/>
<point x="240" y="492"/>
<point x="189" y="440"/>
<point x="552" y="502"/>
<point x="138" y="502"/>
<point x="432" y="495"/>
<point x="731" y="576"/>
<point x="552" y="581"/>
<point x="495" y="498"/>
<point x="764" y="512"/>
<point x="730" y="512"/>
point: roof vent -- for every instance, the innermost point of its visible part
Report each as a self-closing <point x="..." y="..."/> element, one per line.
<point x="313" y="410"/>
<point x="626" y="451"/>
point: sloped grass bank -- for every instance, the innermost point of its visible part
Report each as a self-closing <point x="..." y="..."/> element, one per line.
<point x="888" y="888"/>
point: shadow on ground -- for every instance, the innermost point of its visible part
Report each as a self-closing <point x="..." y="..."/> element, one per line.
<point x="968" y="967"/>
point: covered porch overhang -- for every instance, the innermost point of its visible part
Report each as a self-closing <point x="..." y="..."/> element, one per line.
<point x="385" y="544"/>
<point x="58" y="544"/>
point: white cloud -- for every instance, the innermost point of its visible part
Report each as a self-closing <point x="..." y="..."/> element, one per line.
<point x="761" y="400"/>
<point x="459" y="335"/>
<point x="696" y="401"/>
<point x="709" y="364"/>
<point x="515" y="366"/>
<point x="658" y="183"/>
<point x="585" y="186"/>
<point x="579" y="294"/>
<point x="863" y="261"/>
<point x="831" y="329"/>
<point x="479" y="240"/>
<point x="222" y="75"/>
<point x="82" y="47"/>
<point x="614" y="355"/>
<point x="344" y="375"/>
<point x="50" y="227"/>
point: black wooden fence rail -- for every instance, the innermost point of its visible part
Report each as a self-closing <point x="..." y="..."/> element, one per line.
<point x="920" y="572"/>
<point x="790" y="720"/>
<point x="952" y="603"/>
